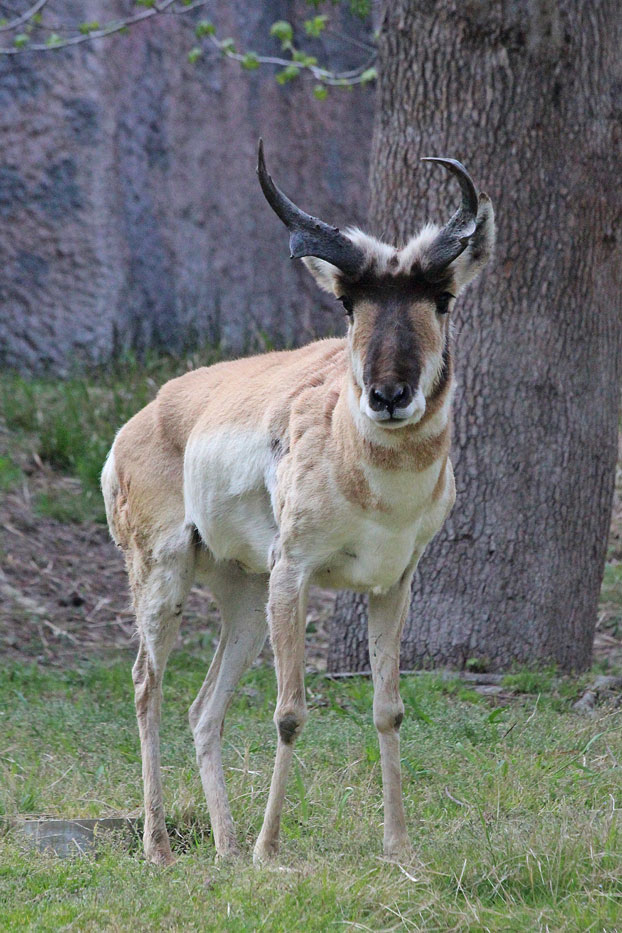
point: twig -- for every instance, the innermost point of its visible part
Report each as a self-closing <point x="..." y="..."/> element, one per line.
<point x="404" y="872"/>
<point x="60" y="632"/>
<point x="109" y="30"/>
<point x="460" y="803"/>
<point x="61" y="777"/>
<point x="19" y="20"/>
<point x="321" y="74"/>
<point x="355" y="76"/>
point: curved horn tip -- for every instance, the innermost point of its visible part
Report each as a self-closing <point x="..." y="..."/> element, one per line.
<point x="261" y="162"/>
<point x="469" y="191"/>
<point x="443" y="161"/>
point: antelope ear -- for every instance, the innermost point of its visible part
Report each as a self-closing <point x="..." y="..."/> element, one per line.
<point x="481" y="246"/>
<point x="327" y="276"/>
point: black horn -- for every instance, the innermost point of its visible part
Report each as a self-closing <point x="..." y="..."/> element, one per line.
<point x="454" y="238"/>
<point x="309" y="236"/>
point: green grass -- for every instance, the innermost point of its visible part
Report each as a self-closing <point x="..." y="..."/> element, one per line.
<point x="611" y="596"/>
<point x="514" y="812"/>
<point x="70" y="424"/>
<point x="10" y="474"/>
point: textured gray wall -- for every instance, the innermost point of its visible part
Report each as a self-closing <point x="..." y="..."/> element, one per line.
<point x="130" y="214"/>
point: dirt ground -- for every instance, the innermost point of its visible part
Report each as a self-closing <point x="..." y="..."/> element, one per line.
<point x="65" y="598"/>
<point x="64" y="594"/>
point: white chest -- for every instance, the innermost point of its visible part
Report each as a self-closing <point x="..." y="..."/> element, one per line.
<point x="230" y="480"/>
<point x="371" y="556"/>
<point x="371" y="549"/>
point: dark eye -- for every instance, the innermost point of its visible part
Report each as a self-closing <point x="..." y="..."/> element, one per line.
<point x="347" y="304"/>
<point x="442" y="302"/>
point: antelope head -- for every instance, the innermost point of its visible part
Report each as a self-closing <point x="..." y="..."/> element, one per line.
<point x="397" y="299"/>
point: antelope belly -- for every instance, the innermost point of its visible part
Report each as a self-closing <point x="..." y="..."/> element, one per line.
<point x="228" y="477"/>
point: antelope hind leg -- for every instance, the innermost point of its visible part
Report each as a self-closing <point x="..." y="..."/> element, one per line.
<point x="158" y="603"/>
<point x="242" y="601"/>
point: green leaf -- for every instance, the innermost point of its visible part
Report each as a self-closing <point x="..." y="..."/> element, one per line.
<point x="497" y="713"/>
<point x="304" y="59"/>
<point x="227" y="46"/>
<point x="360" y="8"/>
<point x="250" y="61"/>
<point x="282" y="30"/>
<point x="316" y="26"/>
<point x="53" y="40"/>
<point x="204" y="28"/>
<point x="591" y="742"/>
<point x="86" y="28"/>
<point x="370" y="74"/>
<point x="21" y="40"/>
<point x="194" y="54"/>
<point x="320" y="92"/>
<point x="287" y="74"/>
<point x="147" y="3"/>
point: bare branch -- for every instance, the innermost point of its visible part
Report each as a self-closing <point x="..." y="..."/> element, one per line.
<point x="20" y="20"/>
<point x="360" y="75"/>
<point x="321" y="74"/>
<point x="108" y="30"/>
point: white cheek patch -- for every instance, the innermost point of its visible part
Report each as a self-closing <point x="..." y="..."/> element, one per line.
<point x="416" y="408"/>
<point x="430" y="373"/>
<point x="438" y="421"/>
<point x="357" y="368"/>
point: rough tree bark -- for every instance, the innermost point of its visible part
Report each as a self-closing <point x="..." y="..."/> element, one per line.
<point x="527" y="94"/>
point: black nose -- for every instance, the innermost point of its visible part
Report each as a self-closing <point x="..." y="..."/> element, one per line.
<point x="389" y="397"/>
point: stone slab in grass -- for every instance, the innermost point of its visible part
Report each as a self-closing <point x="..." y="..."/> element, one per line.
<point x="74" y="837"/>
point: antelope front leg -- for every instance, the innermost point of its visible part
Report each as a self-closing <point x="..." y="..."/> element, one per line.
<point x="287" y="607"/>
<point x="386" y="620"/>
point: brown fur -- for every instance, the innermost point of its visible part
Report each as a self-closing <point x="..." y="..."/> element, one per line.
<point x="415" y="453"/>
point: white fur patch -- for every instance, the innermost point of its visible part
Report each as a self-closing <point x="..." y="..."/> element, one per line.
<point x="438" y="421"/>
<point x="325" y="274"/>
<point x="480" y="248"/>
<point x="382" y="257"/>
<point x="357" y="368"/>
<point x="110" y="485"/>
<point x="385" y="259"/>
<point x="229" y="475"/>
<point x="370" y="550"/>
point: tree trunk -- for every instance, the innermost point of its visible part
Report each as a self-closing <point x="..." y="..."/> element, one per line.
<point x="527" y="94"/>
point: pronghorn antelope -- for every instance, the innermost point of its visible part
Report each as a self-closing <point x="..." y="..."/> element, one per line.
<point x="327" y="464"/>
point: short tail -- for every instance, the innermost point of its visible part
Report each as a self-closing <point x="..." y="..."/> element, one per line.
<point x="111" y="489"/>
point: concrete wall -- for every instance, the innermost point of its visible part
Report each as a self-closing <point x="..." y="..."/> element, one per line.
<point x="130" y="214"/>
